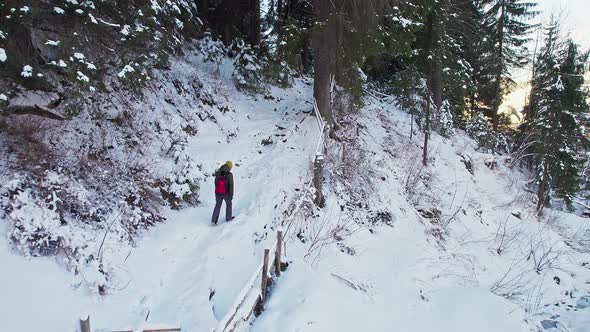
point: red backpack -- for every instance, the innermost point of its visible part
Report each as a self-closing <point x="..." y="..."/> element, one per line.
<point x="221" y="185"/>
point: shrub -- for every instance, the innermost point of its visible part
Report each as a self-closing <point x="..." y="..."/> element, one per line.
<point x="247" y="67"/>
<point x="487" y="140"/>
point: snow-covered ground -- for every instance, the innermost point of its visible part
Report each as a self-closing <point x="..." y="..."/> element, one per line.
<point x="183" y="272"/>
<point x="471" y="266"/>
<point x="398" y="246"/>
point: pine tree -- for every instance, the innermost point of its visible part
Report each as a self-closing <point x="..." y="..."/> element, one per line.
<point x="465" y="75"/>
<point x="505" y="20"/>
<point x="288" y="41"/>
<point x="439" y="57"/>
<point x="430" y="56"/>
<point x="559" y="96"/>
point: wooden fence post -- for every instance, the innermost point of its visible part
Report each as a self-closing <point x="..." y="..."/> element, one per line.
<point x="318" y="178"/>
<point x="278" y="253"/>
<point x="85" y="324"/>
<point x="265" y="275"/>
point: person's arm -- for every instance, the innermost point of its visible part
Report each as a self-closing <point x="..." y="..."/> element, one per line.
<point x="231" y="185"/>
<point x="215" y="175"/>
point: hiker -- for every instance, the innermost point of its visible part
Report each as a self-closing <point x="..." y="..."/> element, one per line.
<point x="224" y="190"/>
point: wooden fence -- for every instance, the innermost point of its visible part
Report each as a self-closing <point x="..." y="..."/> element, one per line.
<point x="250" y="301"/>
<point x="253" y="296"/>
<point x="255" y="293"/>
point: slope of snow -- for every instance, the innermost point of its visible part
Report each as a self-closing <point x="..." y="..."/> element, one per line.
<point x="445" y="263"/>
<point x="183" y="272"/>
<point x="398" y="246"/>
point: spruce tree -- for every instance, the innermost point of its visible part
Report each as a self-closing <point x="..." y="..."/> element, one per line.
<point x="464" y="58"/>
<point x="506" y="22"/>
<point x="559" y="97"/>
<point x="440" y="58"/>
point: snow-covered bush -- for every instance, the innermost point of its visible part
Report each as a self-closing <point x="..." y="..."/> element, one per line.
<point x="69" y="46"/>
<point x="487" y="140"/>
<point x="211" y="49"/>
<point x="76" y="181"/>
<point x="134" y="76"/>
<point x="4" y="100"/>
<point x="410" y="87"/>
<point x="181" y="187"/>
<point x="278" y="71"/>
<point x="247" y="67"/>
<point x="442" y="121"/>
<point x="36" y="227"/>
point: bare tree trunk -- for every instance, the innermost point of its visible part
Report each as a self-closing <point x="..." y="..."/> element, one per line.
<point x="434" y="85"/>
<point x="497" y="101"/>
<point x="530" y="106"/>
<point x="203" y="8"/>
<point x="437" y="85"/>
<point x="411" y="123"/>
<point x="472" y="104"/>
<point x="280" y="18"/>
<point x="426" y="132"/>
<point x="306" y="56"/>
<point x="280" y="9"/>
<point x="541" y="191"/>
<point x="500" y="60"/>
<point x="254" y="30"/>
<point x="322" y="70"/>
<point x="430" y="45"/>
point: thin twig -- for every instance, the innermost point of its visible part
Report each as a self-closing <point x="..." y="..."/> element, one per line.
<point x="106" y="233"/>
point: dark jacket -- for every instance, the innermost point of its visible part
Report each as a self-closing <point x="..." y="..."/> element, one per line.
<point x="224" y="170"/>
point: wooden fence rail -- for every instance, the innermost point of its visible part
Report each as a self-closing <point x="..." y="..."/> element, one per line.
<point x="318" y="162"/>
<point x="85" y="327"/>
<point x="255" y="293"/>
<point x="250" y="301"/>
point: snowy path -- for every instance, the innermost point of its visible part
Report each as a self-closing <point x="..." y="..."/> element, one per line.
<point x="223" y="257"/>
<point x="201" y="259"/>
<point x="185" y="271"/>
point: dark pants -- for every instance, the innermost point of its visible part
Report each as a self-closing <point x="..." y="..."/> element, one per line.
<point x="218" y="201"/>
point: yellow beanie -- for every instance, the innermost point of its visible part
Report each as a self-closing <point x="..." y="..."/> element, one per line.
<point x="229" y="164"/>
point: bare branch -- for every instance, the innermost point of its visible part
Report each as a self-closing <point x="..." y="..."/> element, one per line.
<point x="31" y="110"/>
